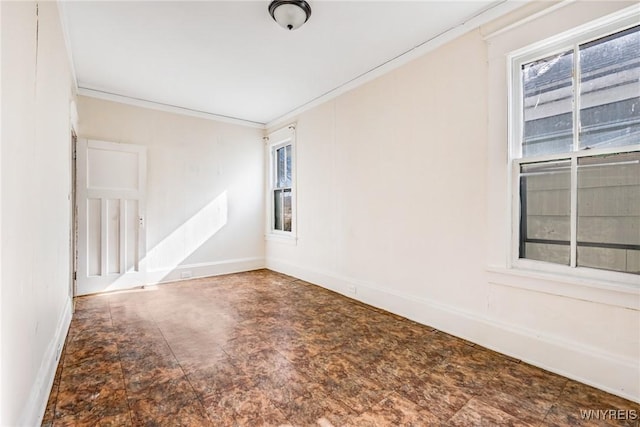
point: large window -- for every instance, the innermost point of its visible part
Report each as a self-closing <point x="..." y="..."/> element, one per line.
<point x="575" y="124"/>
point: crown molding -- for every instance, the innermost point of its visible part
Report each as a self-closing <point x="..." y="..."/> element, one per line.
<point x="137" y="102"/>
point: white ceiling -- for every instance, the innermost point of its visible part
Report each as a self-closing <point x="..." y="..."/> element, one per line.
<point x="229" y="58"/>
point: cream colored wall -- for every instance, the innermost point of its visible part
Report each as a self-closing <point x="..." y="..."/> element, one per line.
<point x="402" y="203"/>
<point x="193" y="164"/>
<point x="371" y="169"/>
<point x="36" y="182"/>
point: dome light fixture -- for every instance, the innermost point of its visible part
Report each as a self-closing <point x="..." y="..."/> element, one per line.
<point x="290" y="14"/>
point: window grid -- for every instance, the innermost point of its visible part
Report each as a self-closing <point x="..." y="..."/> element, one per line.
<point x="281" y="193"/>
<point x="519" y="160"/>
<point x="573" y="212"/>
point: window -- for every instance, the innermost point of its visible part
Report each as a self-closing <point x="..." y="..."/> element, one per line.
<point x="281" y="191"/>
<point x="575" y="124"/>
<point x="282" y="212"/>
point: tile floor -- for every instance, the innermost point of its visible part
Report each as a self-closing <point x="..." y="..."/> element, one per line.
<point x="262" y="348"/>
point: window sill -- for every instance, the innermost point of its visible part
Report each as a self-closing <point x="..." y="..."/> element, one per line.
<point x="594" y="290"/>
<point x="282" y="238"/>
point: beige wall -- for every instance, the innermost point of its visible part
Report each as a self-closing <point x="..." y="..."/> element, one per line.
<point x="403" y="203"/>
<point x="371" y="169"/>
<point x="36" y="182"/>
<point x="193" y="166"/>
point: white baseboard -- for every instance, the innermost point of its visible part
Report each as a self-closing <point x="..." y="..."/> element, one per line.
<point x="37" y="403"/>
<point x="192" y="271"/>
<point x="593" y="366"/>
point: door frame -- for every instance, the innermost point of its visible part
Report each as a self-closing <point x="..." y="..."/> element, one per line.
<point x="73" y="287"/>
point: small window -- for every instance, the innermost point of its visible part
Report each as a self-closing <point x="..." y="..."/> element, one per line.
<point x="281" y="188"/>
<point x="576" y="152"/>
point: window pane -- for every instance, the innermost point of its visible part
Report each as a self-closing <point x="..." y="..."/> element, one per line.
<point x="609" y="212"/>
<point x="545" y="203"/>
<point x="548" y="105"/>
<point x="277" y="210"/>
<point x="287" y="178"/>
<point x="610" y="90"/>
<point x="286" y="210"/>
<point x="280" y="167"/>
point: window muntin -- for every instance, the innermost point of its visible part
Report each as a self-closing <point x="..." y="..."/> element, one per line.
<point x="282" y="186"/>
<point x="608" y="225"/>
<point x="545" y="219"/>
<point x="577" y="154"/>
<point x="609" y="78"/>
<point x="548" y="105"/>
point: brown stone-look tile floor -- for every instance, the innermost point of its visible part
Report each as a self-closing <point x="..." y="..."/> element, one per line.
<point x="262" y="348"/>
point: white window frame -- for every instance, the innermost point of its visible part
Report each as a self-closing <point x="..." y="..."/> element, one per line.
<point x="274" y="141"/>
<point x="555" y="45"/>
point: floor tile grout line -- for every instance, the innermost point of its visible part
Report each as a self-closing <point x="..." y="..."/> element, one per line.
<point x="385" y="395"/>
<point x="306" y="378"/>
<point x="184" y="372"/>
<point x="557" y="399"/>
<point x="124" y="380"/>
<point x="272" y="347"/>
<point x="310" y="381"/>
<point x="387" y="392"/>
<point x="459" y="410"/>
<point x="400" y="393"/>
<point x="57" y="391"/>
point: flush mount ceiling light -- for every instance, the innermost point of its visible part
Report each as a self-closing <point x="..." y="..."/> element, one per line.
<point x="290" y="14"/>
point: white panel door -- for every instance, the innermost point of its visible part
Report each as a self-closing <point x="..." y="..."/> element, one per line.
<point x="111" y="181"/>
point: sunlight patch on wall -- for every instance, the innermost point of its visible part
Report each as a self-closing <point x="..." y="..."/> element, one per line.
<point x="169" y="253"/>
